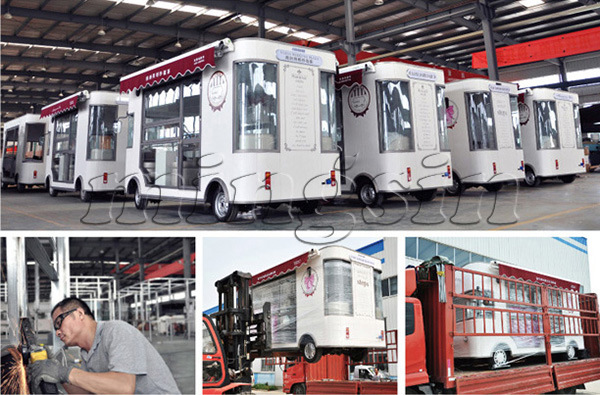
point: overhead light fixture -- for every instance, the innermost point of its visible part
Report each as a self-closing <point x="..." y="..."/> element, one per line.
<point x="178" y="44"/>
<point x="237" y="19"/>
<point x="150" y="3"/>
<point x="105" y="75"/>
<point x="44" y="68"/>
<point x="531" y="3"/>
<point x="10" y="90"/>
<point x="101" y="32"/>
<point x="290" y="31"/>
<point x="61" y="94"/>
<point x="7" y="14"/>
<point x="378" y="2"/>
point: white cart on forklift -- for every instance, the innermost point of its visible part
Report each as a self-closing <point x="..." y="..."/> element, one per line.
<point x="485" y="137"/>
<point x="23" y="153"/>
<point x="551" y="135"/>
<point x="393" y="135"/>
<point x="253" y="129"/>
<point x="86" y="149"/>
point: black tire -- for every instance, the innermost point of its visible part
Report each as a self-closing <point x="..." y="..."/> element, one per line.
<point x="493" y="187"/>
<point x="4" y="185"/>
<point x="310" y="352"/>
<point x="84" y="195"/>
<point x="51" y="191"/>
<point x="20" y="187"/>
<point x="531" y="180"/>
<point x="568" y="179"/>
<point x="457" y="187"/>
<point x="222" y="208"/>
<point x="368" y="195"/>
<point x="309" y="207"/>
<point x="298" y="389"/>
<point x="140" y="202"/>
<point x="426" y="195"/>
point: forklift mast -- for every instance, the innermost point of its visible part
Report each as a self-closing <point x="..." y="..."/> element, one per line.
<point x="245" y="335"/>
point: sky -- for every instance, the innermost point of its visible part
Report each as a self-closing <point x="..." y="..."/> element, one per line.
<point x="222" y="256"/>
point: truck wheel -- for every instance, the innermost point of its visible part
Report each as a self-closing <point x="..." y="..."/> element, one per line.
<point x="222" y="208"/>
<point x="493" y="187"/>
<point x="298" y="389"/>
<point x="457" y="187"/>
<point x="139" y="201"/>
<point x="568" y="179"/>
<point x="84" y="195"/>
<point x="368" y="195"/>
<point x="571" y="352"/>
<point x="426" y="195"/>
<point x="530" y="178"/>
<point x="310" y="352"/>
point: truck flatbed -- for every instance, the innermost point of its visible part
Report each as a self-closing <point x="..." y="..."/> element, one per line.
<point x="351" y="387"/>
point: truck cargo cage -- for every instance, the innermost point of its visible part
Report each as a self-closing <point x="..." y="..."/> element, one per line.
<point x="462" y="304"/>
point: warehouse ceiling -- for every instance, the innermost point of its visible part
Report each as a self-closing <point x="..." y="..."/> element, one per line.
<point x="96" y="256"/>
<point x="52" y="48"/>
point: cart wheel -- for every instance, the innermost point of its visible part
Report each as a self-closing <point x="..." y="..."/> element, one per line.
<point x="139" y="200"/>
<point x="222" y="208"/>
<point x="571" y="352"/>
<point x="457" y="187"/>
<point x="368" y="195"/>
<point x="310" y="352"/>
<point x="52" y="192"/>
<point x="568" y="179"/>
<point x="530" y="178"/>
<point x="298" y="389"/>
<point x="309" y="207"/>
<point x="426" y="195"/>
<point x="84" y="195"/>
<point x="494" y="187"/>
<point x="20" y="187"/>
<point x="499" y="358"/>
<point x="4" y="185"/>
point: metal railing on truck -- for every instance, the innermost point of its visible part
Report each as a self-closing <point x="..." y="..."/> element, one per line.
<point x="494" y="305"/>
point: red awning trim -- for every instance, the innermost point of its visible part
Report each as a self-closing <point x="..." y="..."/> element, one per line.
<point x="349" y="79"/>
<point x="177" y="67"/>
<point x="280" y="270"/>
<point x="61" y="106"/>
<point x="544" y="279"/>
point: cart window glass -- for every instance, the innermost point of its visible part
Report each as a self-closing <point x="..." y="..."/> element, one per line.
<point x="159" y="163"/>
<point x="395" y="126"/>
<point x="546" y="124"/>
<point x="482" y="135"/>
<point x="65" y="136"/>
<point x="34" y="142"/>
<point x="578" y="135"/>
<point x="338" y="288"/>
<point x="11" y="143"/>
<point x="441" y="112"/>
<point x="256" y="106"/>
<point x="281" y="293"/>
<point x="191" y="110"/>
<point x="161" y="105"/>
<point x="378" y="295"/>
<point x="330" y="132"/>
<point x="102" y="139"/>
<point x="514" y="111"/>
<point x="130" y="124"/>
<point x="410" y="319"/>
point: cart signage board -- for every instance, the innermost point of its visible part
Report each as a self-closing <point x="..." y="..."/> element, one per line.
<point x="423" y="96"/>
<point x="365" y="259"/>
<point x="423" y="75"/>
<point x="299" y="107"/>
<point x="501" y="104"/>
<point x="564" y="111"/>
<point x="359" y="99"/>
<point x="563" y="96"/>
<point x="363" y="291"/>
<point x="298" y="55"/>
<point x="61" y="106"/>
<point x="499" y="88"/>
<point x="217" y="90"/>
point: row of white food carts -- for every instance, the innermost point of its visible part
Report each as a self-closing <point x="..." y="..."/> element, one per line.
<point x="260" y="123"/>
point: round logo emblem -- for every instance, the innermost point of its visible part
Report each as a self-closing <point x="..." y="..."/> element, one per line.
<point x="309" y="282"/>
<point x="451" y="114"/>
<point x="217" y="90"/>
<point x="524" y="113"/>
<point x="359" y="99"/>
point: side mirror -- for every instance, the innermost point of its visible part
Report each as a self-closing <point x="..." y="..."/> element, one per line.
<point x="117" y="127"/>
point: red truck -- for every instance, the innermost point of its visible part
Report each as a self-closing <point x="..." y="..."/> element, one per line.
<point x="438" y="294"/>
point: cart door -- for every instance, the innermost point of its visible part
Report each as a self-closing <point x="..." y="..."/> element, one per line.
<point x="189" y="165"/>
<point x="566" y="123"/>
<point x="9" y="157"/>
<point x="34" y="142"/>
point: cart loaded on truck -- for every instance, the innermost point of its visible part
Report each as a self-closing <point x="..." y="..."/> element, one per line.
<point x="519" y="332"/>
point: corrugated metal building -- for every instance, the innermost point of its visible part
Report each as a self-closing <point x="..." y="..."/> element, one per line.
<point x="563" y="257"/>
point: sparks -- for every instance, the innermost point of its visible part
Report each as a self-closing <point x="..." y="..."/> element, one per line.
<point x="14" y="376"/>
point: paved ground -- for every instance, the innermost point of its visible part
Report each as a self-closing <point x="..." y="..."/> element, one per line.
<point x="591" y="388"/>
<point x="551" y="206"/>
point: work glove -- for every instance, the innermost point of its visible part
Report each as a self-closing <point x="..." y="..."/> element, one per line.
<point x="48" y="370"/>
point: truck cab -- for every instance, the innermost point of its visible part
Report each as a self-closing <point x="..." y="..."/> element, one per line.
<point x="416" y="369"/>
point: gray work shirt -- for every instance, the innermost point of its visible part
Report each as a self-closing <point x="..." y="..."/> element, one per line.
<point x="119" y="347"/>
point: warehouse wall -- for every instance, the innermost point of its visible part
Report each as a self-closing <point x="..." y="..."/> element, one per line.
<point x="561" y="257"/>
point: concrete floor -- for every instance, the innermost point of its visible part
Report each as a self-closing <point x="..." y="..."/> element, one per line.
<point x="180" y="356"/>
<point x="552" y="206"/>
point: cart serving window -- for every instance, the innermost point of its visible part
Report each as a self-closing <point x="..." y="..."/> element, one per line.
<point x="256" y="107"/>
<point x="546" y="125"/>
<point x="331" y="135"/>
<point x="34" y="142"/>
<point x="441" y="114"/>
<point x="102" y="140"/>
<point x="482" y="134"/>
<point x="514" y="112"/>
<point x="395" y="126"/>
<point x="65" y="136"/>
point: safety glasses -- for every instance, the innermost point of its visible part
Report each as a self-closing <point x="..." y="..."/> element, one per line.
<point x="61" y="317"/>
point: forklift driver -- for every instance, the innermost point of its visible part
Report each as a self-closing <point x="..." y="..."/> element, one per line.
<point x="116" y="357"/>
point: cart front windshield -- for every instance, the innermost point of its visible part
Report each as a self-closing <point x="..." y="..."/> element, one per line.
<point x="256" y="107"/>
<point x="482" y="133"/>
<point x="338" y="287"/>
<point x="546" y="124"/>
<point x="102" y="139"/>
<point x="34" y="142"/>
<point x="395" y="126"/>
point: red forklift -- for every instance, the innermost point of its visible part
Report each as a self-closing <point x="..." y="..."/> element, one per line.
<point x="436" y="294"/>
